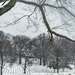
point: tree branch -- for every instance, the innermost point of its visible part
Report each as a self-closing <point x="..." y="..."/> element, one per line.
<point x="49" y="29"/>
<point x="12" y="3"/>
<point x="7" y="7"/>
<point x="1" y="1"/>
<point x="60" y="7"/>
<point x="62" y="36"/>
<point x="29" y="2"/>
<point x="13" y="23"/>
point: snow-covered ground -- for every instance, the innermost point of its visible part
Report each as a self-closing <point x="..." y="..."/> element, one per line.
<point x="16" y="69"/>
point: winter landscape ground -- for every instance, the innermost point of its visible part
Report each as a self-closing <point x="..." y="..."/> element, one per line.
<point x="16" y="69"/>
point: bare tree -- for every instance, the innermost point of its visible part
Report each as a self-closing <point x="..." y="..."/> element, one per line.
<point x="1" y="57"/>
<point x="61" y="7"/>
<point x="19" y="45"/>
<point x="42" y="48"/>
<point x="1" y="49"/>
<point x="67" y="48"/>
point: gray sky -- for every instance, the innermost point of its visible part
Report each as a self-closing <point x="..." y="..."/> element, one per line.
<point x="54" y="19"/>
<point x="21" y="27"/>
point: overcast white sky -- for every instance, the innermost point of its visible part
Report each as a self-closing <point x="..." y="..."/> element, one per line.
<point x="20" y="28"/>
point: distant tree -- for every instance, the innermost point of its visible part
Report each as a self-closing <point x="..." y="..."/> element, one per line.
<point x="1" y="49"/>
<point x="42" y="48"/>
<point x="19" y="45"/>
<point x="67" y="49"/>
<point x="1" y="56"/>
<point x="73" y="52"/>
<point x="28" y="52"/>
<point x="63" y="51"/>
<point x="57" y="54"/>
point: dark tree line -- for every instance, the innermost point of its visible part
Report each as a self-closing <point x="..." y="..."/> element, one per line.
<point x="56" y="54"/>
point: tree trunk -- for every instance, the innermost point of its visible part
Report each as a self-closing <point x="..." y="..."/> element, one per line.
<point x="1" y="57"/>
<point x="44" y="63"/>
<point x="40" y="61"/>
<point x="1" y="63"/>
<point x="20" y="57"/>
<point x="25" y="65"/>
<point x="57" y="59"/>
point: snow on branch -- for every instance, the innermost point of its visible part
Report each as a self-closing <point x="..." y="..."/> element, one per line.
<point x="7" y="7"/>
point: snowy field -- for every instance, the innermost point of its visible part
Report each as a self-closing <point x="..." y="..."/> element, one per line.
<point x="34" y="70"/>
